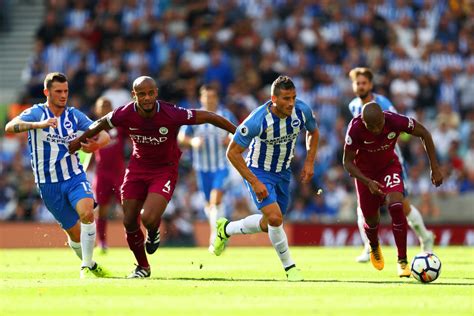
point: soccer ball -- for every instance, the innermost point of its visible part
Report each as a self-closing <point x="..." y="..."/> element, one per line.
<point x="426" y="267"/>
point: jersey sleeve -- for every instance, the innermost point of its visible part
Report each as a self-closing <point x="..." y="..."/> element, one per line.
<point x="116" y="117"/>
<point x="83" y="122"/>
<point x="183" y="116"/>
<point x="351" y="140"/>
<point x="246" y="131"/>
<point x="404" y="123"/>
<point x="385" y="104"/>
<point x="32" y="114"/>
<point x="310" y="121"/>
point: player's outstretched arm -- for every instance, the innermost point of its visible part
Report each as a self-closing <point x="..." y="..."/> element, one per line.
<point x="348" y="162"/>
<point x="234" y="154"/>
<point x="312" y="142"/>
<point x="96" y="127"/>
<point x="422" y="132"/>
<point x="203" y="116"/>
<point x="17" y="125"/>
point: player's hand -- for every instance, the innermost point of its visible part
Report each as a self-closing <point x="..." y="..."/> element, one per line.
<point x="196" y="142"/>
<point x="307" y="172"/>
<point x="90" y="146"/>
<point x="74" y="145"/>
<point x="260" y="190"/>
<point x="375" y="187"/>
<point x="436" y="177"/>
<point x="51" y="122"/>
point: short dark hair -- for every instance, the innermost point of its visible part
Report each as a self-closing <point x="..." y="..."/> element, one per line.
<point x="54" y="77"/>
<point x="207" y="87"/>
<point x="361" y="71"/>
<point x="282" y="83"/>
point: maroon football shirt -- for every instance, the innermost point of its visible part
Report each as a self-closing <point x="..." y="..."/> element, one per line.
<point x="376" y="152"/>
<point x="110" y="160"/>
<point x="154" y="139"/>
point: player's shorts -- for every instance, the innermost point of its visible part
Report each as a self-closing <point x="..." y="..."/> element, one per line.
<point x="61" y="198"/>
<point x="137" y="184"/>
<point x="105" y="186"/>
<point x="211" y="180"/>
<point x="278" y="186"/>
<point x="391" y="178"/>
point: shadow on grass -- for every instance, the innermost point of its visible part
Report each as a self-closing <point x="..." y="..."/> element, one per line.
<point x="306" y="281"/>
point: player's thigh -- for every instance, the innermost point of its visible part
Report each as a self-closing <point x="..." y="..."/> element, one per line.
<point x="154" y="206"/>
<point x="58" y="205"/>
<point x="134" y="187"/>
<point x="271" y="198"/>
<point x="103" y="188"/>
<point x="163" y="183"/>
<point x="204" y="183"/>
<point x="369" y="203"/>
<point x="80" y="196"/>
<point x="282" y="191"/>
<point x="219" y="181"/>
<point x="392" y="180"/>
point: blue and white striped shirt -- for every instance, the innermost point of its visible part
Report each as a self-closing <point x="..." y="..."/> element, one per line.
<point x="272" y="140"/>
<point x="50" y="159"/>
<point x="355" y="106"/>
<point x="211" y="155"/>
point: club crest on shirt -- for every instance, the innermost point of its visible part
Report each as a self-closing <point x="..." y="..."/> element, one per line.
<point x="391" y="135"/>
<point x="67" y="124"/>
<point x="295" y="123"/>
<point x="244" y="130"/>
<point x="348" y="140"/>
<point x="163" y="130"/>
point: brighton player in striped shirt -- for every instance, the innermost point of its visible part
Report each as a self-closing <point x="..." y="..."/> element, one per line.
<point x="270" y="133"/>
<point x="362" y="86"/>
<point x="209" y="144"/>
<point x="59" y="176"/>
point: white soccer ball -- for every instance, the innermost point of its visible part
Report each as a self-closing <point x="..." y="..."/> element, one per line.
<point x="426" y="267"/>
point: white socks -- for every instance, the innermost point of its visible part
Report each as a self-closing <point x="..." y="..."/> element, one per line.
<point x="416" y="223"/>
<point x="76" y="246"/>
<point x="247" y="225"/>
<point x="88" y="232"/>
<point x="360" y="224"/>
<point x="279" y="241"/>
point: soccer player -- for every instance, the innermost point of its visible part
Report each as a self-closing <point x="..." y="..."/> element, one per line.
<point x="58" y="174"/>
<point x="362" y="86"/>
<point x="152" y="172"/>
<point x="369" y="157"/>
<point x="209" y="144"/>
<point x="109" y="172"/>
<point x="270" y="133"/>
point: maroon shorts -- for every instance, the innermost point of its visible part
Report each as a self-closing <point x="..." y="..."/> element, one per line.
<point x="137" y="184"/>
<point x="390" y="178"/>
<point x="106" y="186"/>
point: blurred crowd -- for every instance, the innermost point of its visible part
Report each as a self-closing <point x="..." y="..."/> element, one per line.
<point x="421" y="52"/>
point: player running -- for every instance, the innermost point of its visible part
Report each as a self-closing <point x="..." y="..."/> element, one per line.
<point x="270" y="133"/>
<point x="109" y="172"/>
<point x="152" y="173"/>
<point x="369" y="157"/>
<point x="209" y="144"/>
<point x="362" y="86"/>
<point x="60" y="178"/>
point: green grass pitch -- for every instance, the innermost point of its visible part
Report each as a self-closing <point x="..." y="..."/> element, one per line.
<point x="243" y="281"/>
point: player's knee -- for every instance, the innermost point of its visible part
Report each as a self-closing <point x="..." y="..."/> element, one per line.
<point x="372" y="221"/>
<point x="275" y="220"/>
<point x="130" y="224"/>
<point x="87" y="217"/>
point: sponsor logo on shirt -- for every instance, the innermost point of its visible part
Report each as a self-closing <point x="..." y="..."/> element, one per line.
<point x="366" y="142"/>
<point x="57" y="139"/>
<point x="140" y="139"/>
<point x="280" y="140"/>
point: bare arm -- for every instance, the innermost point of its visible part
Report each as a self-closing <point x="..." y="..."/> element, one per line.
<point x="93" y="144"/>
<point x="234" y="154"/>
<point x="312" y="141"/>
<point x="18" y="126"/>
<point x="100" y="125"/>
<point x="422" y="132"/>
<point x="214" y="119"/>
<point x="348" y="162"/>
